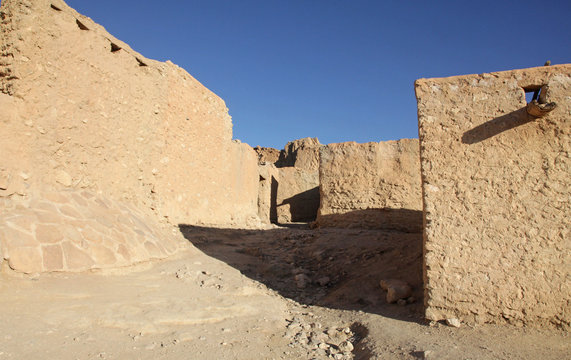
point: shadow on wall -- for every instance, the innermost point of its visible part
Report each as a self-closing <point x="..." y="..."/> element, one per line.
<point x="405" y="220"/>
<point x="273" y="201"/>
<point x="301" y="207"/>
<point x="334" y="268"/>
<point x="497" y="126"/>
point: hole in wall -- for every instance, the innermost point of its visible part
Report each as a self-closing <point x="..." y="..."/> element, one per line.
<point x="55" y="7"/>
<point x="538" y="104"/>
<point x="115" y="47"/>
<point x="532" y="93"/>
<point x="80" y="25"/>
<point x="141" y="63"/>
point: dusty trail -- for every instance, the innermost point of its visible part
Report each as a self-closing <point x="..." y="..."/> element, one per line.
<point x="237" y="295"/>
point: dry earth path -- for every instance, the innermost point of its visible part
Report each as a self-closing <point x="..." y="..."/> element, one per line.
<point x="283" y="293"/>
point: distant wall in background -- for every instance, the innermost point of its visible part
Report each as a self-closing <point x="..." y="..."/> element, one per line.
<point x="289" y="182"/>
<point x="372" y="185"/>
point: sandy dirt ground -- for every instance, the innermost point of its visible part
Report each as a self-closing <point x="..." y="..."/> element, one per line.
<point x="282" y="293"/>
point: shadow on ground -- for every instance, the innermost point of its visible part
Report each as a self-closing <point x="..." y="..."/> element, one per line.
<point x="403" y="220"/>
<point x="329" y="267"/>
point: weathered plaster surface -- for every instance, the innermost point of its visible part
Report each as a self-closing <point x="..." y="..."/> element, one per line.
<point x="372" y="185"/>
<point x="496" y="188"/>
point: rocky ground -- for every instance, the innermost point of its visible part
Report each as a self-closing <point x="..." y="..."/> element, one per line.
<point x="282" y="293"/>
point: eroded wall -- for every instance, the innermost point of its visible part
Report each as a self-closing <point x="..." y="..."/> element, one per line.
<point x="496" y="189"/>
<point x="267" y="193"/>
<point x="301" y="153"/>
<point x="297" y="195"/>
<point x="267" y="155"/>
<point x="289" y="182"/>
<point x="88" y="112"/>
<point x="99" y="142"/>
<point x="372" y="185"/>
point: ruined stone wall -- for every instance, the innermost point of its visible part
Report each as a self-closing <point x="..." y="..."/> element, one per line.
<point x="267" y="155"/>
<point x="267" y="193"/>
<point x="77" y="230"/>
<point x="301" y="153"/>
<point x="88" y="112"/>
<point x="496" y="188"/>
<point x="7" y="43"/>
<point x="372" y="185"/>
<point x="297" y="195"/>
<point x="289" y="182"/>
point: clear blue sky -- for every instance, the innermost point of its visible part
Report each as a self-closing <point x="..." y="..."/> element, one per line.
<point x="339" y="70"/>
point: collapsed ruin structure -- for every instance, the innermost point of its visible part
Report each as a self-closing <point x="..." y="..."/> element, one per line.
<point x="104" y="149"/>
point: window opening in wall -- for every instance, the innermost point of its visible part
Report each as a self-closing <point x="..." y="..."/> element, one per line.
<point x="532" y="93"/>
<point x="141" y="63"/>
<point x="55" y="7"/>
<point x="537" y="105"/>
<point x="80" y="25"/>
<point x="115" y="47"/>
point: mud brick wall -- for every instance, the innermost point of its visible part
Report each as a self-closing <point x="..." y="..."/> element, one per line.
<point x="496" y="191"/>
<point x="372" y="185"/>
<point x="297" y="197"/>
<point x="267" y="193"/>
<point x="289" y="182"/>
<point x="82" y="110"/>
<point x="301" y="153"/>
